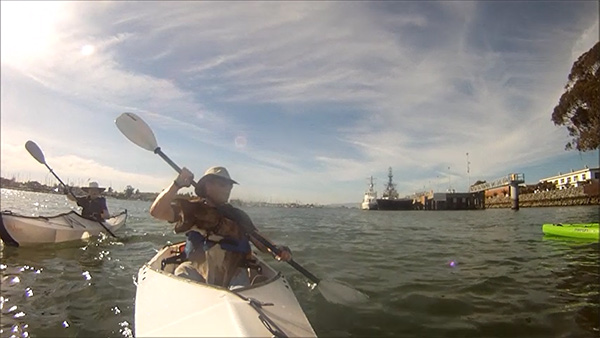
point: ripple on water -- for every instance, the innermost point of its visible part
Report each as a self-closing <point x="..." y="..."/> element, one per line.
<point x="508" y="279"/>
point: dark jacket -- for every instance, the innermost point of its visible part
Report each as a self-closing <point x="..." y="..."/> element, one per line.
<point x="92" y="208"/>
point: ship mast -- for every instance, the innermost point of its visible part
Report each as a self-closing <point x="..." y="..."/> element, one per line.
<point x="390" y="189"/>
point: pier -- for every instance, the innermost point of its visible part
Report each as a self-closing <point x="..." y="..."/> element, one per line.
<point x="511" y="180"/>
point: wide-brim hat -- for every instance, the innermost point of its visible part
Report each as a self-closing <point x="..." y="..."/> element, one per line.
<point x="93" y="185"/>
<point x="219" y="172"/>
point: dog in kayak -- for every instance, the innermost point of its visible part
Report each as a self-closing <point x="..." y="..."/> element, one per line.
<point x="224" y="242"/>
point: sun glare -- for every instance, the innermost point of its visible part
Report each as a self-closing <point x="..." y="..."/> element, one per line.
<point x="87" y="50"/>
<point x="27" y="28"/>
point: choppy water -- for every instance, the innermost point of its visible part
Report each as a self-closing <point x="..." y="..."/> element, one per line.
<point x="488" y="273"/>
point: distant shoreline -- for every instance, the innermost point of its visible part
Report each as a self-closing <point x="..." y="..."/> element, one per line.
<point x="134" y="195"/>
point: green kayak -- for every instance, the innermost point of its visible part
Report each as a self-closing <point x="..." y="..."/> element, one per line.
<point x="575" y="230"/>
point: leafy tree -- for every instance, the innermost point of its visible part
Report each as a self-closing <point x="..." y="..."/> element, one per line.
<point x="579" y="106"/>
<point x="128" y="191"/>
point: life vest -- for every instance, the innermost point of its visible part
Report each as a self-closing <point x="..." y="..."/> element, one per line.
<point x="198" y="240"/>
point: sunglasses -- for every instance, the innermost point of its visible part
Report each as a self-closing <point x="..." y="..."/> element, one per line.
<point x="222" y="183"/>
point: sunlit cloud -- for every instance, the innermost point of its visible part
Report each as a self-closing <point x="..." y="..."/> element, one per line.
<point x="309" y="97"/>
<point x="87" y="50"/>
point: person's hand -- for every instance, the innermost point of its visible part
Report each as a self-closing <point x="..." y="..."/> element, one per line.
<point x="184" y="179"/>
<point x="285" y="254"/>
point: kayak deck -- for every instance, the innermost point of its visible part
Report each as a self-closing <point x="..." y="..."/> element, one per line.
<point x="573" y="230"/>
<point x="168" y="305"/>
<point x="21" y="230"/>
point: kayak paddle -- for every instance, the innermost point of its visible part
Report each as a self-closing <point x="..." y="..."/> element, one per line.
<point x="138" y="132"/>
<point x="37" y="153"/>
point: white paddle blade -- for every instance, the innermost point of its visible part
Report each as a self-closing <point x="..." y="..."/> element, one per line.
<point x="336" y="292"/>
<point x="35" y="151"/>
<point x="136" y="130"/>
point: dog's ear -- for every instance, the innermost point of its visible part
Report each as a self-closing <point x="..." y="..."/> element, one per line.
<point x="185" y="208"/>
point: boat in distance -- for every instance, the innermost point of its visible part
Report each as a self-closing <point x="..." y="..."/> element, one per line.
<point x="171" y="306"/>
<point x="390" y="200"/>
<point x="370" y="199"/>
<point x="20" y="230"/>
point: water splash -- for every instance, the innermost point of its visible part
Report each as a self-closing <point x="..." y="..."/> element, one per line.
<point x="28" y="292"/>
<point x="126" y="330"/>
<point x="86" y="275"/>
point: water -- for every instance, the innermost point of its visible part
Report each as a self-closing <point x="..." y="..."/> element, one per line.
<point x="488" y="273"/>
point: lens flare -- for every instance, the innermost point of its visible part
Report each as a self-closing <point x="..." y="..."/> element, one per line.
<point x="240" y="142"/>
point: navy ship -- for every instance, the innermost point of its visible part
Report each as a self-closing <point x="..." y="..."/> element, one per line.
<point x="390" y="200"/>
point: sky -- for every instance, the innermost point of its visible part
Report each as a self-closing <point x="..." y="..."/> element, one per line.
<point x="300" y="101"/>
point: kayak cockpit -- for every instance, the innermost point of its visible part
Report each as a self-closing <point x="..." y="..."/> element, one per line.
<point x="173" y="306"/>
<point x="173" y="255"/>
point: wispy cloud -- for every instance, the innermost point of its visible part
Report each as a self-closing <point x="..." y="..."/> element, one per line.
<point x="302" y="100"/>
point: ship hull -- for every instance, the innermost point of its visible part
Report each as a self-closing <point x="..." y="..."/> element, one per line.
<point x="394" y="204"/>
<point x="371" y="205"/>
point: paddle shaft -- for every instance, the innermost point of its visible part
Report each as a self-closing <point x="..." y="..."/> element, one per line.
<point x="254" y="234"/>
<point x="171" y="163"/>
<point x="43" y="161"/>
<point x="71" y="192"/>
<point x="138" y="132"/>
<point x="291" y="262"/>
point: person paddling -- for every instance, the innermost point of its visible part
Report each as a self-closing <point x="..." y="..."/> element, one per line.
<point x="214" y="189"/>
<point x="93" y="204"/>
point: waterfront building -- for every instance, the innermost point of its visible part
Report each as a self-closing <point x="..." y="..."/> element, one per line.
<point x="575" y="178"/>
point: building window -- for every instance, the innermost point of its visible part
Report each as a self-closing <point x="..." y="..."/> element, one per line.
<point x="595" y="175"/>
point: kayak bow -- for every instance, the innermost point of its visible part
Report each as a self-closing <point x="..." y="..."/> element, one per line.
<point x="574" y="230"/>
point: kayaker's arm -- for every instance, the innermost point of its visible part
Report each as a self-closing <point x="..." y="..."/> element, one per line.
<point x="284" y="252"/>
<point x="161" y="207"/>
<point x="73" y="193"/>
<point x="104" y="213"/>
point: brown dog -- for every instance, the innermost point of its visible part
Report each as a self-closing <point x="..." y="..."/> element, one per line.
<point x="220" y="265"/>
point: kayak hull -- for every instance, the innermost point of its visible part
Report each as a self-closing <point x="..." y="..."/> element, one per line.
<point x="573" y="230"/>
<point x="20" y="230"/>
<point x="170" y="306"/>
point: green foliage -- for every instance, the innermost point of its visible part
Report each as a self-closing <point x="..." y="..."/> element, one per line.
<point x="579" y="106"/>
<point x="128" y="191"/>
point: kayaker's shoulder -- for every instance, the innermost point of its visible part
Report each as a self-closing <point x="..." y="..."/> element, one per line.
<point x="230" y="209"/>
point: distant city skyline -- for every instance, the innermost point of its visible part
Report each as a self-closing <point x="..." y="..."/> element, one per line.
<point x="301" y="101"/>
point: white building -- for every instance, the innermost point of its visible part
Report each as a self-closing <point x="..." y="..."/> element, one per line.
<point x="574" y="178"/>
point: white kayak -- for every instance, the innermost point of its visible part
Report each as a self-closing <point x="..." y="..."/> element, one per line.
<point x="19" y="230"/>
<point x="170" y="306"/>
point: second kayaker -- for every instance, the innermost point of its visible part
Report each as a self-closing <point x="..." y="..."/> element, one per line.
<point x="93" y="204"/>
